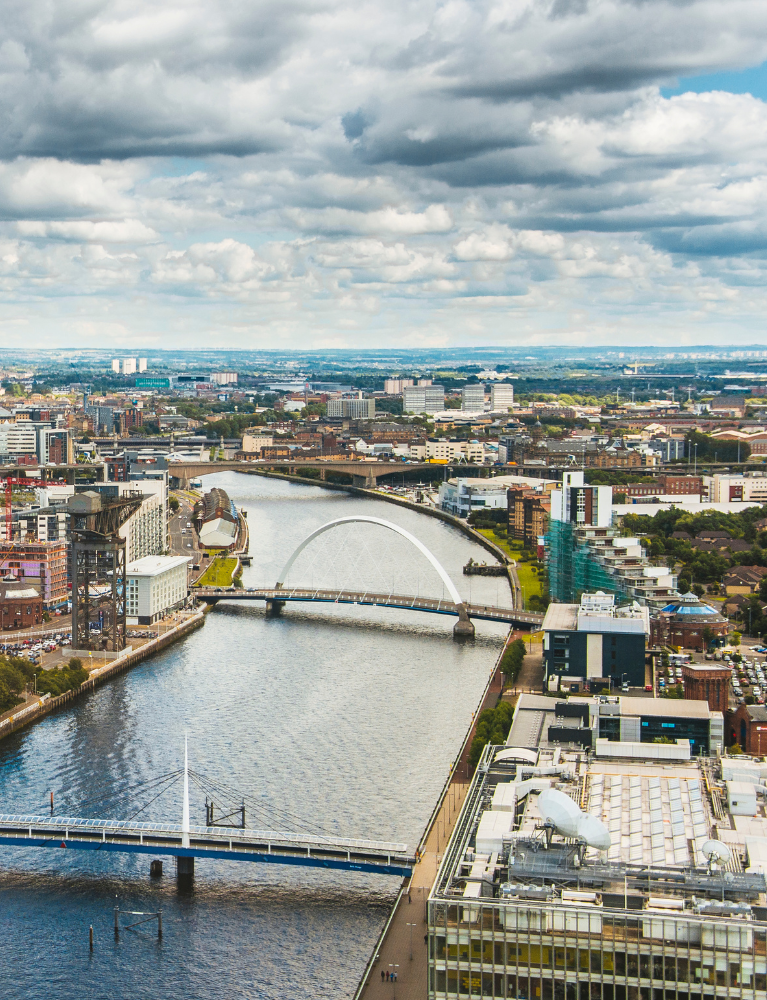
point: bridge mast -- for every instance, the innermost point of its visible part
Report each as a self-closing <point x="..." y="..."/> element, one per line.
<point x="185" y="865"/>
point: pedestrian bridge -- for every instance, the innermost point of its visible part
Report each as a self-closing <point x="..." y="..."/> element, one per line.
<point x="280" y="594"/>
<point x="275" y="598"/>
<point x="225" y="843"/>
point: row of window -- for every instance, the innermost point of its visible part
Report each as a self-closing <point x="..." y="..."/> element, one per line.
<point x="716" y="971"/>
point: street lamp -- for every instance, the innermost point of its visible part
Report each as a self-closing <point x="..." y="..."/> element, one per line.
<point x="411" y="926"/>
<point x="393" y="977"/>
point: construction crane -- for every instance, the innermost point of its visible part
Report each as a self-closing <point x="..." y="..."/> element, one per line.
<point x="98" y="567"/>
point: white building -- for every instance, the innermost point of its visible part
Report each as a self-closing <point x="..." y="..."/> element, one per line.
<point x="154" y="586"/>
<point x="18" y="438"/>
<point x="129" y="366"/>
<point x="395" y="386"/>
<point x="442" y="450"/>
<point x="352" y="409"/>
<point x="751" y="488"/>
<point x="252" y="443"/>
<point x="224" y="378"/>
<point x="501" y="397"/>
<point x="473" y="398"/>
<point x="116" y="365"/>
<point x="142" y="364"/>
<point x="429" y="399"/>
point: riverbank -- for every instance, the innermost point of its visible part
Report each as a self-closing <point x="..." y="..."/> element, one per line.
<point x="401" y="945"/>
<point x="441" y="515"/>
<point x="28" y="714"/>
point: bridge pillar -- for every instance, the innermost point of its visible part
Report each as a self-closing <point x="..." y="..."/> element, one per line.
<point x="273" y="608"/>
<point x="464" y="627"/>
<point x="323" y="474"/>
<point x="185" y="867"/>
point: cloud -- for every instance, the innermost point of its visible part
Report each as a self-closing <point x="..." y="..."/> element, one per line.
<point x="304" y="166"/>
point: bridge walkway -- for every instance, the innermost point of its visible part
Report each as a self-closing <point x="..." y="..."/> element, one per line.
<point x="232" y="844"/>
<point x="402" y="601"/>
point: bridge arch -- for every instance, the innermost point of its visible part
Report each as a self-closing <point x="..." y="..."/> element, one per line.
<point x="365" y="519"/>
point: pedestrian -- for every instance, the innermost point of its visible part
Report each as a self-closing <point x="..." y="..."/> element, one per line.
<point x="387" y="977"/>
<point x="408" y="897"/>
<point x="382" y="975"/>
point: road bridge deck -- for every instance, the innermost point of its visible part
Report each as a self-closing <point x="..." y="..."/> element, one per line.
<point x="229" y="843"/>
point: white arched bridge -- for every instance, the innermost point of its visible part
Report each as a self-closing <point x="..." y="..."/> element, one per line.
<point x="280" y="594"/>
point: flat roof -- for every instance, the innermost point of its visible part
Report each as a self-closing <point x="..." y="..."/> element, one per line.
<point x="666" y="707"/>
<point x="561" y="617"/>
<point x="155" y="565"/>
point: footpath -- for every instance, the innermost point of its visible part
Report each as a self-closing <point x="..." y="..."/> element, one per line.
<point x="401" y="947"/>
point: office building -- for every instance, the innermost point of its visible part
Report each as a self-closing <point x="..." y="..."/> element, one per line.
<point x="473" y="398"/>
<point x="351" y="409"/>
<point x="441" y="450"/>
<point x="103" y="419"/>
<point x="749" y="488"/>
<point x="395" y="386"/>
<point x="155" y="585"/>
<point x="55" y="446"/>
<point x="156" y="381"/>
<point x="618" y="895"/>
<point x="17" y="439"/>
<point x="428" y="399"/>
<point x="595" y="643"/>
<point x="501" y="398"/>
<point x="253" y="443"/>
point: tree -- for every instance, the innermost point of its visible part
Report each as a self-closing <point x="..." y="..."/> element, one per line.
<point x="174" y="504"/>
<point x="698" y="590"/>
<point x="684" y="585"/>
<point x="736" y="637"/>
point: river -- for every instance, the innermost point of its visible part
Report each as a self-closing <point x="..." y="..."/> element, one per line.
<point x="340" y="720"/>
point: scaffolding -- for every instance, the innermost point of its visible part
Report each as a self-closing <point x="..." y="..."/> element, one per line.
<point x="573" y="568"/>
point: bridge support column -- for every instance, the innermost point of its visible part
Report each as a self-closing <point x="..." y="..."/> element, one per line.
<point x="464" y="627"/>
<point x="323" y="474"/>
<point x="273" y="608"/>
<point x="185" y="867"/>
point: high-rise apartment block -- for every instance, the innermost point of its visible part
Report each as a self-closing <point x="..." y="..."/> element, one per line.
<point x="473" y="398"/>
<point x="116" y="365"/>
<point x="501" y="398"/>
<point x="224" y="378"/>
<point x="394" y="386"/>
<point x="142" y="364"/>
<point x="129" y="366"/>
<point x="429" y="399"/>
<point x="352" y="409"/>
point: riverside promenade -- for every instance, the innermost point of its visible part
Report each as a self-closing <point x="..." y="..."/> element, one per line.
<point x="408" y="920"/>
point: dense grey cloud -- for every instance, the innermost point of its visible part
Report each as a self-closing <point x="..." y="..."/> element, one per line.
<point x="425" y="170"/>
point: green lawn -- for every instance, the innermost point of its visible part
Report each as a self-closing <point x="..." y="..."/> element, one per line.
<point x="219" y="572"/>
<point x="528" y="580"/>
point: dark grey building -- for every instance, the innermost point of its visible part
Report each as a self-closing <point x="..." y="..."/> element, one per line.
<point x="595" y="644"/>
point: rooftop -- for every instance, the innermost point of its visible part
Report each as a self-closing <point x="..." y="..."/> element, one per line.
<point x="156" y="565"/>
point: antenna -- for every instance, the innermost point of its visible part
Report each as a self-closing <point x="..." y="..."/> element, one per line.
<point x="185" y="807"/>
<point x="716" y="853"/>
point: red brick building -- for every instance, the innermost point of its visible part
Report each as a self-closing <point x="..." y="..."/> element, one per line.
<point x="748" y="727"/>
<point x="683" y="622"/>
<point x="20" y="605"/>
<point x="707" y="682"/>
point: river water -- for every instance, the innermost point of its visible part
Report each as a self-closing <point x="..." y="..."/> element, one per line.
<point x="334" y="720"/>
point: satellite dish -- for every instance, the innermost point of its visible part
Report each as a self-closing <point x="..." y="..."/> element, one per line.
<point x="715" y="850"/>
<point x="559" y="810"/>
<point x="569" y="819"/>
<point x="594" y="832"/>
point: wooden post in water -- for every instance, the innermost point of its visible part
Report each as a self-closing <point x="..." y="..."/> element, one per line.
<point x="91" y="937"/>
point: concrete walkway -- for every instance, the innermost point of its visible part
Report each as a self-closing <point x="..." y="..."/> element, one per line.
<point x="409" y="922"/>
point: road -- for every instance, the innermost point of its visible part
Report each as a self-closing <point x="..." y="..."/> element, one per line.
<point x="183" y="539"/>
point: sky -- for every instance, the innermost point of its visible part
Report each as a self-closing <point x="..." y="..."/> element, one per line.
<point x="321" y="174"/>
